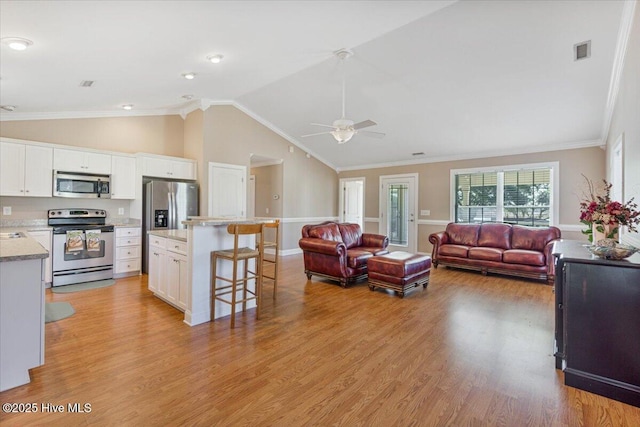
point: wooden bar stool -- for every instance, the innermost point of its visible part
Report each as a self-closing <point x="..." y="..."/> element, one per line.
<point x="267" y="258"/>
<point x="235" y="283"/>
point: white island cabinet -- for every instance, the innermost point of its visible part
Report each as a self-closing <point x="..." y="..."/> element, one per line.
<point x="21" y="309"/>
<point x="203" y="236"/>
<point x="168" y="266"/>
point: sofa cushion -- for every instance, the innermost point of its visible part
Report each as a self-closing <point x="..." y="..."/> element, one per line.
<point x="454" y="250"/>
<point x="374" y="250"/>
<point x="488" y="254"/>
<point x="326" y="232"/>
<point x="531" y="238"/>
<point x="357" y="258"/>
<point x="351" y="234"/>
<point x="495" y="236"/>
<point x="463" y="234"/>
<point x="523" y="256"/>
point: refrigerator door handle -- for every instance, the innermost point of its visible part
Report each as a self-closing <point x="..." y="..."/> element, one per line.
<point x="174" y="207"/>
<point x="170" y="213"/>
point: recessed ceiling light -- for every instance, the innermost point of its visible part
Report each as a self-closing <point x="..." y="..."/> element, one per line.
<point x="216" y="59"/>
<point x="8" y="107"/>
<point x="17" y="43"/>
<point x="187" y="96"/>
<point x="189" y="76"/>
<point x="127" y="106"/>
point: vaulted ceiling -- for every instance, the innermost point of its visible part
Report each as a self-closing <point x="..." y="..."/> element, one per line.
<point x="450" y="79"/>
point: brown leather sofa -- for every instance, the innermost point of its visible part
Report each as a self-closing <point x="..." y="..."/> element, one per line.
<point x="339" y="251"/>
<point x="497" y="248"/>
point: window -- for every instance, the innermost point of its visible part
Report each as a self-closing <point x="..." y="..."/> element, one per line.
<point x="521" y="194"/>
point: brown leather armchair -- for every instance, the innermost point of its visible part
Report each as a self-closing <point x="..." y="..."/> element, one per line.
<point x="339" y="251"/>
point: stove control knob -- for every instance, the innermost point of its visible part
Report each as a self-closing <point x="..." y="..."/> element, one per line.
<point x="59" y="213"/>
<point x="52" y="213"/>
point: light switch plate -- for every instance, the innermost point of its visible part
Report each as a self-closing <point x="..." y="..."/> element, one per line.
<point x="120" y="211"/>
<point x="6" y="210"/>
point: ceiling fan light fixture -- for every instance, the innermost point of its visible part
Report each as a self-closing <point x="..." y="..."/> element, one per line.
<point x="343" y="135"/>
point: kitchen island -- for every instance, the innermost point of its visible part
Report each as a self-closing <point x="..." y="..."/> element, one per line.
<point x="206" y="234"/>
<point x="21" y="308"/>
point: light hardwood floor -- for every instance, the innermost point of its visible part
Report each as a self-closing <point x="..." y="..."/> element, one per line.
<point x="468" y="350"/>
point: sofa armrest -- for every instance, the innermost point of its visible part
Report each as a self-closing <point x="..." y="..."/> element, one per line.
<point x="375" y="240"/>
<point x="437" y="240"/>
<point x="551" y="268"/>
<point x="326" y="247"/>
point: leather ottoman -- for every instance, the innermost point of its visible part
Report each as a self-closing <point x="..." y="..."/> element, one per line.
<point x="399" y="271"/>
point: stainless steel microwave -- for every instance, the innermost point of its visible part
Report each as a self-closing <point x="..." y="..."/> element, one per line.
<point x="80" y="185"/>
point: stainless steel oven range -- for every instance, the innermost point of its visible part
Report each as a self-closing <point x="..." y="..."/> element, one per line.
<point x="82" y="246"/>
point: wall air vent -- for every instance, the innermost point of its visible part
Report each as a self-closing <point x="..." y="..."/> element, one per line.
<point x="582" y="50"/>
<point x="418" y="154"/>
<point x="8" y="107"/>
<point x="87" y="83"/>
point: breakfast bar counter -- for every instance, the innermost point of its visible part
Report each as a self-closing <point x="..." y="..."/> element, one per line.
<point x="206" y="234"/>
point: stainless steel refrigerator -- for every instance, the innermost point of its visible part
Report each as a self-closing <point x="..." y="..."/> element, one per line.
<point x="166" y="205"/>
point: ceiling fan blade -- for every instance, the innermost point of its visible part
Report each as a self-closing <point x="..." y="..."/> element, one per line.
<point x="372" y="134"/>
<point x="364" y="124"/>
<point x="320" y="124"/>
<point x="314" y="134"/>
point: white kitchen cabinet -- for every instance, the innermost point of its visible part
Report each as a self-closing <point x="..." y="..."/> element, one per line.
<point x="177" y="273"/>
<point x="157" y="265"/>
<point x="44" y="238"/>
<point x="173" y="168"/>
<point x="81" y="161"/>
<point x="128" y="249"/>
<point x="168" y="270"/>
<point x="123" y="177"/>
<point x="25" y="170"/>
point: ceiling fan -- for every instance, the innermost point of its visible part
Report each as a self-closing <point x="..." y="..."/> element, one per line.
<point x="343" y="128"/>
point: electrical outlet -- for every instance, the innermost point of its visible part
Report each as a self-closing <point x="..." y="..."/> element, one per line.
<point x="425" y="212"/>
<point x="267" y="211"/>
<point x="6" y="210"/>
<point x="120" y="211"/>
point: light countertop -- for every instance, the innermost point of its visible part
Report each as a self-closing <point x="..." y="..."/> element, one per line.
<point x="21" y="248"/>
<point x="170" y="234"/>
<point x="212" y="221"/>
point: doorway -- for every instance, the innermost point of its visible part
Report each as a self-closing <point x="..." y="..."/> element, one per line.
<point x="352" y="201"/>
<point x="398" y="202"/>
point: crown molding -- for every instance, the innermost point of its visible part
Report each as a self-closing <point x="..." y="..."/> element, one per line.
<point x="482" y="155"/>
<point x="280" y="132"/>
<point x="13" y="116"/>
<point x="624" y="33"/>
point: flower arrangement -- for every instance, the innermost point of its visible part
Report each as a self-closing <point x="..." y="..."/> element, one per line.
<point x="607" y="215"/>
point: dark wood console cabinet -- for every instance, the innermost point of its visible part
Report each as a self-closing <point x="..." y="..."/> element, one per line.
<point x="597" y="335"/>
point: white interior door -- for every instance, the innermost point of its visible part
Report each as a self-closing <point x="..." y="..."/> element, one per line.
<point x="227" y="190"/>
<point x="398" y="197"/>
<point x="352" y="201"/>
<point x="251" y="202"/>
